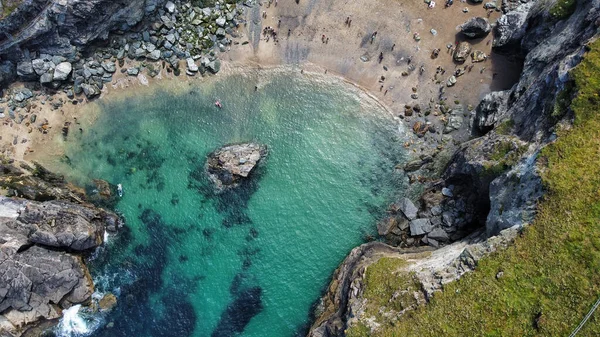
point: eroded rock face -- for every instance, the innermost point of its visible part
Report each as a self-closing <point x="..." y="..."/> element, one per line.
<point x="42" y="272"/>
<point x="230" y="164"/>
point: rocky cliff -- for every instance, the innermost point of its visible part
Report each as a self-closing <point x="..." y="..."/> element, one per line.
<point x="45" y="231"/>
<point x="491" y="182"/>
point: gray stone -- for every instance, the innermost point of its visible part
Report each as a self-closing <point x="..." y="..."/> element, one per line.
<point x="438" y="234"/>
<point x="436" y="210"/>
<point x="420" y="227"/>
<point x="214" y="66"/>
<point x="407" y="208"/>
<point x="25" y="69"/>
<point x="476" y="27"/>
<point x="447" y="192"/>
<point x="109" y="67"/>
<point x="62" y="71"/>
<point x="40" y="66"/>
<point x="221" y="21"/>
<point x="46" y="78"/>
<point x="447" y="219"/>
<point x="90" y="90"/>
<point x="133" y="71"/>
<point x="23" y="94"/>
<point x="170" y="6"/>
<point x="154" y="55"/>
<point x="451" y="81"/>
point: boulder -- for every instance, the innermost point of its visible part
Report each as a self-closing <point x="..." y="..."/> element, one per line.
<point x="214" y="66"/>
<point x="451" y="81"/>
<point x="109" y="67"/>
<point x="462" y="52"/>
<point x="25" y="71"/>
<point x="191" y="65"/>
<point x="22" y="95"/>
<point x="420" y="226"/>
<point x="511" y="27"/>
<point x="476" y="27"/>
<point x="221" y="21"/>
<point x="478" y="56"/>
<point x="46" y="78"/>
<point x="107" y="302"/>
<point x="90" y="90"/>
<point x="170" y="6"/>
<point x="229" y="165"/>
<point x="62" y="71"/>
<point x="407" y="208"/>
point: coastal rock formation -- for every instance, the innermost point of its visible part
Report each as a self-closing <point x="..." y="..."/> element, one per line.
<point x="41" y="243"/>
<point x="228" y="165"/>
<point x="491" y="182"/>
<point x="476" y="27"/>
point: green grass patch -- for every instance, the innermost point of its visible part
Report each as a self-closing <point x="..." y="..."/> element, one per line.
<point x="387" y="288"/>
<point x="563" y="9"/>
<point x="551" y="275"/>
<point x="505" y="127"/>
<point x="504" y="155"/>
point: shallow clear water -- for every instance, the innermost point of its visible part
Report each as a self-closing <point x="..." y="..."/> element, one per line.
<point x="249" y="262"/>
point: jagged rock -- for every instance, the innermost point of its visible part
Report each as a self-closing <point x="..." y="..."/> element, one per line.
<point x="478" y="56"/>
<point x="40" y="66"/>
<point x="513" y="197"/>
<point x="476" y="27"/>
<point x="46" y="78"/>
<point x="23" y="94"/>
<point x="62" y="71"/>
<point x="109" y="67"/>
<point x="221" y="21"/>
<point x="25" y="71"/>
<point x="154" y="55"/>
<point x="420" y="227"/>
<point x="462" y="52"/>
<point x="407" y="208"/>
<point x="512" y="26"/>
<point x="228" y="165"/>
<point x="491" y="108"/>
<point x="38" y="281"/>
<point x="438" y="234"/>
<point x="90" y="90"/>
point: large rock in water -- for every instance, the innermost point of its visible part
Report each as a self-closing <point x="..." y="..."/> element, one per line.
<point x="476" y="27"/>
<point x="230" y="164"/>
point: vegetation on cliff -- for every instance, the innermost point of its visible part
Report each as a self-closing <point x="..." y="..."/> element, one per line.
<point x="548" y="280"/>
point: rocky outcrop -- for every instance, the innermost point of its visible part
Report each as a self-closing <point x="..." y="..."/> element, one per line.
<point x="58" y="27"/>
<point x="41" y="245"/>
<point x="228" y="165"/>
<point x="344" y="303"/>
<point x="476" y="27"/>
<point x="491" y="182"/>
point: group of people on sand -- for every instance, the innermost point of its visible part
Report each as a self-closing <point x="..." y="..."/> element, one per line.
<point x="270" y="32"/>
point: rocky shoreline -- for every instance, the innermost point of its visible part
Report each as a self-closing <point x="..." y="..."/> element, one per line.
<point x="486" y="191"/>
<point x="491" y="182"/>
<point x="47" y="228"/>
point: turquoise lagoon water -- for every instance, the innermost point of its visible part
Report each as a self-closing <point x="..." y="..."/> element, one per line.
<point x="249" y="262"/>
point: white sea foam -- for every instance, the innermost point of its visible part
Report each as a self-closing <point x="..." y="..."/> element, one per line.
<point x="76" y="322"/>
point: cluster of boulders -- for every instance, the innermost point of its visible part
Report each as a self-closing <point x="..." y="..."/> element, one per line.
<point x="177" y="31"/>
<point x="440" y="218"/>
<point x="43" y="234"/>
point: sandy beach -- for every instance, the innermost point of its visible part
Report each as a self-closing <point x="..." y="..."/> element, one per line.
<point x="314" y="37"/>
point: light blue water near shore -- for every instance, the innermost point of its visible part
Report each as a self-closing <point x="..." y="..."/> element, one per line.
<point x="249" y="262"/>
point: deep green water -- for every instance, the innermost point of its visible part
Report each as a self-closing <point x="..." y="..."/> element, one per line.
<point x="252" y="261"/>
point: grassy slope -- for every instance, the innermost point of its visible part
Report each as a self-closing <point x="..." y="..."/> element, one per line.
<point x="551" y="276"/>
